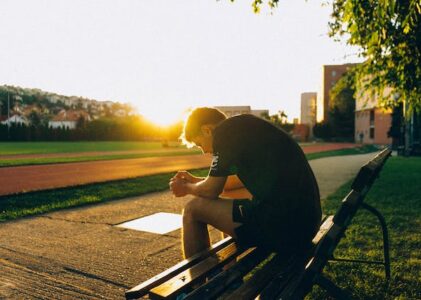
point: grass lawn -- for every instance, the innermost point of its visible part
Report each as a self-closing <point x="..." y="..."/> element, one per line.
<point x="397" y="194"/>
<point x="7" y="148"/>
<point x="340" y="152"/>
<point x="56" y="160"/>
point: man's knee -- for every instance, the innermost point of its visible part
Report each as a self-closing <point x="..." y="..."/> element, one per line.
<point x="192" y="209"/>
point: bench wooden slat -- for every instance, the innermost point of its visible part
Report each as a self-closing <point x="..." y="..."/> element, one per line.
<point x="235" y="273"/>
<point x="288" y="277"/>
<point x="348" y="208"/>
<point x="182" y="281"/>
<point x="279" y="266"/>
<point x="327" y="223"/>
<point x="285" y="285"/>
<point x="143" y="288"/>
<point x="368" y="173"/>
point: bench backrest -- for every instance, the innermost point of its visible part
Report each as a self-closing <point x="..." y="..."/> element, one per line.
<point x="340" y="222"/>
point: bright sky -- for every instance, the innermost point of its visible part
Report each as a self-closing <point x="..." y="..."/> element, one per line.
<point x="166" y="56"/>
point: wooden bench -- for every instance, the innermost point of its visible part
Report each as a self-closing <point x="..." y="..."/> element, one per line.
<point x="269" y="275"/>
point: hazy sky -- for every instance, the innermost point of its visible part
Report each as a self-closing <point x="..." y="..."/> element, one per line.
<point x="166" y="56"/>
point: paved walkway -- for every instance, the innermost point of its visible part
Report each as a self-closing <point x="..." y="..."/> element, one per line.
<point x="40" y="177"/>
<point x="80" y="254"/>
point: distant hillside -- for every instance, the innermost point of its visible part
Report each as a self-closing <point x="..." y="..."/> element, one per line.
<point x="24" y="101"/>
<point x="36" y="115"/>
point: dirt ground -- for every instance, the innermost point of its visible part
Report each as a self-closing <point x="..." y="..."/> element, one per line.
<point x="39" y="177"/>
<point x="81" y="254"/>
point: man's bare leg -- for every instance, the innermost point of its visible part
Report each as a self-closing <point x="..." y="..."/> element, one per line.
<point x="199" y="212"/>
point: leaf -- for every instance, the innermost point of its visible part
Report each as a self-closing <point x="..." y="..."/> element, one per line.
<point x="407" y="28"/>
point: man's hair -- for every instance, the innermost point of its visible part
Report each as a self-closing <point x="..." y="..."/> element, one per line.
<point x="196" y="119"/>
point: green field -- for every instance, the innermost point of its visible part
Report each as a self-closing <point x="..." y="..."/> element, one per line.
<point x="397" y="194"/>
<point x="349" y="151"/>
<point x="7" y="148"/>
<point x="64" y="159"/>
<point x="63" y="151"/>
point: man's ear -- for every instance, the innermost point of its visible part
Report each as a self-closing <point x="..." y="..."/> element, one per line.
<point x="207" y="130"/>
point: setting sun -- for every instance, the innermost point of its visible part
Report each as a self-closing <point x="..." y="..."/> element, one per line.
<point x="160" y="115"/>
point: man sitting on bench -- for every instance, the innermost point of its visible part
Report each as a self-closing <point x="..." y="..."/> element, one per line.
<point x="284" y="213"/>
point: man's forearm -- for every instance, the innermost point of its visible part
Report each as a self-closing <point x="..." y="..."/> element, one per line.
<point x="198" y="179"/>
<point x="202" y="190"/>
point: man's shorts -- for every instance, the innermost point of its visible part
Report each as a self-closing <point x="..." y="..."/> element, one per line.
<point x="251" y="232"/>
<point x="263" y="226"/>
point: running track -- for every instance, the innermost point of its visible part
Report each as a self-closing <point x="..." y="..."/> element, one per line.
<point x="31" y="178"/>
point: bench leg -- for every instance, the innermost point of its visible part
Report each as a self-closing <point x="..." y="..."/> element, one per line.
<point x="385" y="237"/>
<point x="332" y="288"/>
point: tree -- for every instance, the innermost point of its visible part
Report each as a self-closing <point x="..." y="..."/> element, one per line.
<point x="342" y="107"/>
<point x="34" y="118"/>
<point x="283" y="116"/>
<point x="389" y="36"/>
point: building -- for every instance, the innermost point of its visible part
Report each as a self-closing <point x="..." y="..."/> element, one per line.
<point x="259" y="112"/>
<point x="308" y="108"/>
<point x="309" y="111"/>
<point x="301" y="132"/>
<point x="231" y="111"/>
<point x="330" y="75"/>
<point x="372" y="122"/>
<point x="16" y="119"/>
<point x="68" y="119"/>
<point x="28" y="109"/>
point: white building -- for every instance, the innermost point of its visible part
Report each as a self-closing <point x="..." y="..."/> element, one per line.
<point x="15" y="119"/>
<point x="68" y="119"/>
<point x="308" y="108"/>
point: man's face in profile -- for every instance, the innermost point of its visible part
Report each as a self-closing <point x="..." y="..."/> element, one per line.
<point x="204" y="140"/>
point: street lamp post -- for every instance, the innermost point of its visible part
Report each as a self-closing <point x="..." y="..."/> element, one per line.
<point x="8" y="115"/>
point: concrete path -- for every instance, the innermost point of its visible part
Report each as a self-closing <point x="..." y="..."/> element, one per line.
<point x="80" y="254"/>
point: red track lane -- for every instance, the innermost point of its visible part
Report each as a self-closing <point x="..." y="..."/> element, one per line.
<point x="39" y="177"/>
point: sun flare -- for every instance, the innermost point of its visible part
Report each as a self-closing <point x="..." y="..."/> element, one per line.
<point x="162" y="115"/>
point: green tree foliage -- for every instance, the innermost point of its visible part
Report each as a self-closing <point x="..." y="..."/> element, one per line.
<point x="34" y="118"/>
<point x="279" y="120"/>
<point x="342" y="107"/>
<point x="341" y="122"/>
<point x="131" y="128"/>
<point x="323" y="131"/>
<point x="389" y="36"/>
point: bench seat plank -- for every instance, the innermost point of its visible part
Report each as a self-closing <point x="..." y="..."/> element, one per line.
<point x="278" y="271"/>
<point x="143" y="288"/>
<point x="182" y="281"/>
<point x="218" y="284"/>
<point x="278" y="266"/>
